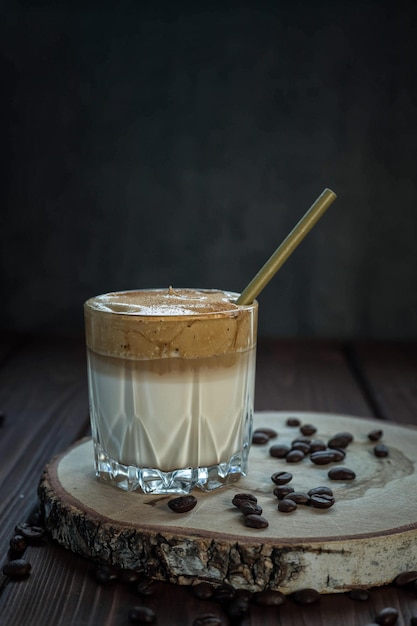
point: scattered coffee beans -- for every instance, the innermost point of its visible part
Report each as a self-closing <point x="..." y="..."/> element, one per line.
<point x="279" y="450"/>
<point x="17" y="569"/>
<point x="308" y="429"/>
<point x="209" y="619"/>
<point x="293" y="422"/>
<point x="387" y="617"/>
<point x="286" y="505"/>
<point x="242" y="497"/>
<point x="183" y="504"/>
<point x="306" y="596"/>
<point x="341" y="473"/>
<point x="325" y="457"/>
<point x="237" y="608"/>
<point x="341" y="440"/>
<point x="405" y="578"/>
<point x="360" y="595"/>
<point x="256" y="521"/>
<point x="282" y="491"/>
<point x="32" y="534"/>
<point x="18" y="544"/>
<point x="202" y="590"/>
<point x="301" y="445"/>
<point x="298" y="497"/>
<point x="250" y="508"/>
<point x="269" y="598"/>
<point x="319" y="490"/>
<point x="321" y="501"/>
<point x="316" y="445"/>
<point x="259" y="437"/>
<point x="281" y="478"/>
<point x="295" y="456"/>
<point x="270" y="432"/>
<point x="375" y="435"/>
<point x="142" y="615"/>
<point x="128" y="576"/>
<point x="381" y="451"/>
<point x="104" y="574"/>
<point x="145" y="587"/>
<point x="224" y="593"/>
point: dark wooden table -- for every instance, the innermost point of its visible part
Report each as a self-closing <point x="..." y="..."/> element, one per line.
<point x="43" y="395"/>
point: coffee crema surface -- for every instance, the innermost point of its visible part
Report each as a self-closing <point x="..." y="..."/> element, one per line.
<point x="171" y="383"/>
<point x="158" y="323"/>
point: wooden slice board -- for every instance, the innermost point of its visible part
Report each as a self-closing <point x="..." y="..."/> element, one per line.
<point x="364" y="540"/>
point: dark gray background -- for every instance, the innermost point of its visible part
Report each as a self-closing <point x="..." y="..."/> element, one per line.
<point x="155" y="144"/>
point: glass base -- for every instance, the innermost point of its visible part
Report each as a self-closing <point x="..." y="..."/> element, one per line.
<point x="180" y="481"/>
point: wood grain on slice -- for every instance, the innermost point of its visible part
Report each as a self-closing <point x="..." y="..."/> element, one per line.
<point x="365" y="539"/>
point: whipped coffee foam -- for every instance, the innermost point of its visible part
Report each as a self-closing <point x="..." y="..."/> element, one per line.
<point x="171" y="380"/>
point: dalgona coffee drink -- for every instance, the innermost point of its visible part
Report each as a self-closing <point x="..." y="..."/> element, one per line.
<point x="171" y="385"/>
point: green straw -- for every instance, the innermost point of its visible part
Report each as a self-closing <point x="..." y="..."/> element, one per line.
<point x="287" y="247"/>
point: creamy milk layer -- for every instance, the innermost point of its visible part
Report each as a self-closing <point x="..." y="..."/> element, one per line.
<point x="171" y="376"/>
<point x="190" y="415"/>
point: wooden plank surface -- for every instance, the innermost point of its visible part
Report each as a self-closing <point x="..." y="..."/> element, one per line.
<point x="43" y="393"/>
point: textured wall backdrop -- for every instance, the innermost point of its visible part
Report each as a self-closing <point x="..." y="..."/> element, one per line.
<point x="149" y="144"/>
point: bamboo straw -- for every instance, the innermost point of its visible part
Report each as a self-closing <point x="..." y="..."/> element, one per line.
<point x="287" y="247"/>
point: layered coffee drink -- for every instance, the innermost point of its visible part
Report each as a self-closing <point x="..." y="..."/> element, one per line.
<point x="171" y="384"/>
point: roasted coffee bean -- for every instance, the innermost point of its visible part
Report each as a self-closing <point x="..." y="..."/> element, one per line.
<point x="302" y="439"/>
<point x="387" y="617"/>
<point x="209" y="619"/>
<point x="17" y="569"/>
<point x="183" y="504"/>
<point x="281" y="478"/>
<point x="104" y="574"/>
<point x="202" y="590"/>
<point x="298" y="497"/>
<point x="341" y="473"/>
<point x="256" y="521"/>
<point x="286" y="505"/>
<point x="242" y="497"/>
<point x="319" y="490"/>
<point x="145" y="587"/>
<point x="301" y="445"/>
<point x="316" y="445"/>
<point x="405" y="578"/>
<point x="293" y="422"/>
<point x="224" y="593"/>
<point x="306" y="596"/>
<point x="237" y="608"/>
<point x="269" y="598"/>
<point x="142" y="615"/>
<point x="324" y="457"/>
<point x="338" y="454"/>
<point x="259" y="438"/>
<point x="381" y="451"/>
<point x="295" y="456"/>
<point x="279" y="450"/>
<point x="375" y="435"/>
<point x="128" y="576"/>
<point x="321" y="501"/>
<point x="270" y="432"/>
<point x="250" y="508"/>
<point x="360" y="595"/>
<point x="32" y="534"/>
<point x="282" y="491"/>
<point x="308" y="429"/>
<point x="341" y="440"/>
<point x="18" y="544"/>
